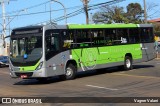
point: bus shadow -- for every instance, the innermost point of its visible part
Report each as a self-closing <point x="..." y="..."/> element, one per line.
<point x="97" y="72"/>
<point x="143" y="66"/>
<point x="57" y="79"/>
<point x="110" y="70"/>
<point x="36" y="82"/>
<point x="79" y="75"/>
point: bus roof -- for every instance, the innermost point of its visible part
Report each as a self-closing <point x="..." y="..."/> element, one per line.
<point x="26" y="27"/>
<point x="84" y="26"/>
<point x="41" y="26"/>
<point x="92" y="26"/>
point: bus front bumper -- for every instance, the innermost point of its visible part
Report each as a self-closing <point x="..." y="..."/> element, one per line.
<point x="27" y="75"/>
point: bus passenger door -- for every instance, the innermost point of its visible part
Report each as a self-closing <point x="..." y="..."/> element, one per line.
<point x="147" y="45"/>
<point x="148" y="51"/>
<point x="52" y="49"/>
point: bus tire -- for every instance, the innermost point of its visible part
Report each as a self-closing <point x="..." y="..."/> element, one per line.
<point x="70" y="73"/>
<point x="128" y="63"/>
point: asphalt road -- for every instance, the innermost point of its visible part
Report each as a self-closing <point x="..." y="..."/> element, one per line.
<point x="142" y="81"/>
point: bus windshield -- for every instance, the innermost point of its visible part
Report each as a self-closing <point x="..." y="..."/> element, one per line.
<point x="26" y="50"/>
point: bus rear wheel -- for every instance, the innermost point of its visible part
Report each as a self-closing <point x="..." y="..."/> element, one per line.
<point x="128" y="63"/>
<point x="70" y="73"/>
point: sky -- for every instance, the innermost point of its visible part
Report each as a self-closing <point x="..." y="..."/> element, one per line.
<point x="17" y="8"/>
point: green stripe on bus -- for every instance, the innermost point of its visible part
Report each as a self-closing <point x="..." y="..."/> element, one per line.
<point x="106" y="54"/>
<point x="81" y="26"/>
<point x="29" y="68"/>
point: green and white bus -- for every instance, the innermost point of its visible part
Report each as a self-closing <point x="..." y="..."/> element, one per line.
<point x="63" y="50"/>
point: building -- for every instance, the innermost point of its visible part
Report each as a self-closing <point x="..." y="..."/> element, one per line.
<point x="155" y="21"/>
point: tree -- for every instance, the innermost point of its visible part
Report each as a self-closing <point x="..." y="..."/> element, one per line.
<point x="134" y="13"/>
<point x="117" y="14"/>
<point x="109" y="14"/>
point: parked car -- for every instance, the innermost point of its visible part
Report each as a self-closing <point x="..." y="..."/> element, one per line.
<point x="4" y="61"/>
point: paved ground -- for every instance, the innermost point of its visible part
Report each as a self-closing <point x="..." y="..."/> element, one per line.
<point x="142" y="81"/>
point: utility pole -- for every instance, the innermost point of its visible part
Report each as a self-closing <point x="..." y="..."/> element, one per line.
<point x="3" y="48"/>
<point x="3" y="18"/>
<point x="2" y="2"/>
<point x="2" y="40"/>
<point x="85" y="4"/>
<point x="145" y="11"/>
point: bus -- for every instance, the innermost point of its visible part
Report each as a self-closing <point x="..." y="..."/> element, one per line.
<point x="44" y="51"/>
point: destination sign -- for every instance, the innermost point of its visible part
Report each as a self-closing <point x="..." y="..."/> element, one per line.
<point x="28" y="31"/>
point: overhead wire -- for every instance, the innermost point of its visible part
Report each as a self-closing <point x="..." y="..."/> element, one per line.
<point x="77" y="12"/>
<point x="69" y="15"/>
<point x="42" y="12"/>
<point x="91" y="7"/>
<point x="34" y="6"/>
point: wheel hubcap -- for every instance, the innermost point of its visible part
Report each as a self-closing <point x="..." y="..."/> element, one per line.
<point x="128" y="63"/>
<point x="68" y="72"/>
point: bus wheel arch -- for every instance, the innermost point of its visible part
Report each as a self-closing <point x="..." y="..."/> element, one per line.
<point x="70" y="70"/>
<point x="128" y="60"/>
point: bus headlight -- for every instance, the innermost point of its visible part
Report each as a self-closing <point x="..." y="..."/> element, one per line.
<point x="39" y="66"/>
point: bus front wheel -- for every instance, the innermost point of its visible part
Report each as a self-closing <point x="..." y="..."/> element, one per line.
<point x="70" y="73"/>
<point x="128" y="63"/>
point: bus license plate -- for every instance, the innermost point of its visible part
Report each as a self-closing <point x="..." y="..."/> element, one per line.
<point x="24" y="76"/>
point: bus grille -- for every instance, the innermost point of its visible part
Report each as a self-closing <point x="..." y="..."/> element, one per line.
<point x="29" y="74"/>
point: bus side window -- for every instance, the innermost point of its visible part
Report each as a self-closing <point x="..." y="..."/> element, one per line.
<point x="65" y="37"/>
<point x="134" y="35"/>
<point x="146" y="35"/>
<point x="109" y="36"/>
<point x="151" y="35"/>
<point x="98" y="37"/>
<point x="122" y="35"/>
<point x="68" y="39"/>
<point x="83" y="38"/>
<point x="52" y="42"/>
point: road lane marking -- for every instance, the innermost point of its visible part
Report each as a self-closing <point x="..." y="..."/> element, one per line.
<point x="137" y="76"/>
<point x="93" y="86"/>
